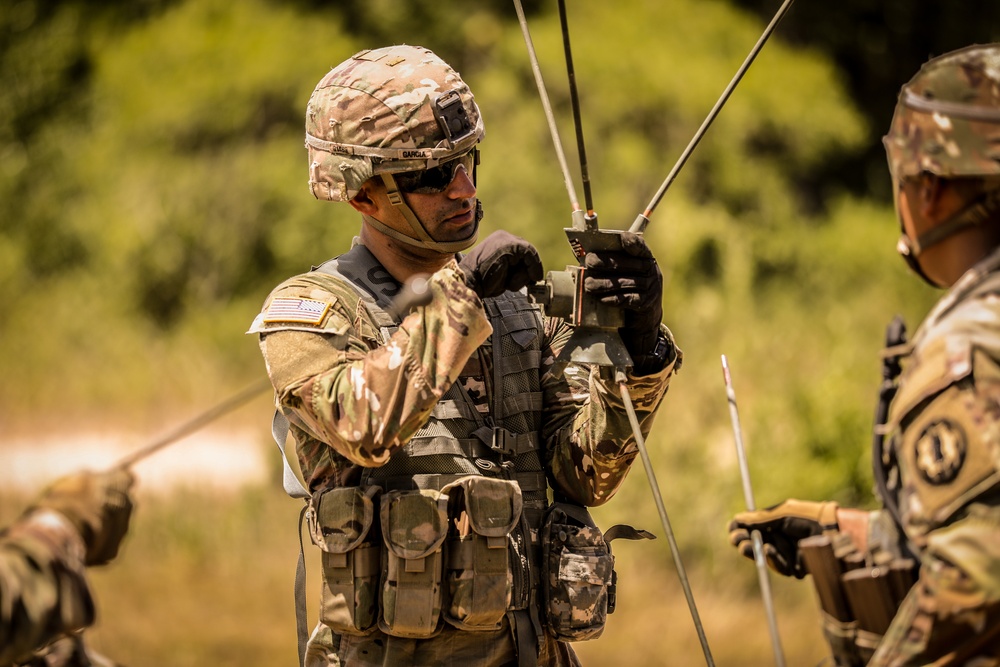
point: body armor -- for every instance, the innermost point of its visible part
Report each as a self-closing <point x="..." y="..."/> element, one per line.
<point x="451" y="528"/>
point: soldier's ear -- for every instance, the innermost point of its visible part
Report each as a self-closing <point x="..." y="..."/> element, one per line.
<point x="930" y="191"/>
<point x="364" y="202"/>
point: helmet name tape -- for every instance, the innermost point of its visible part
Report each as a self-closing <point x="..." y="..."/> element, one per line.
<point x="371" y="151"/>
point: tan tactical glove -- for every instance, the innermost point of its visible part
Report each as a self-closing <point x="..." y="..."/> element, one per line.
<point x="98" y="506"/>
<point x="781" y="527"/>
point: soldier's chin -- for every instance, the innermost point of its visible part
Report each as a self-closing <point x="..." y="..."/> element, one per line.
<point x="469" y="240"/>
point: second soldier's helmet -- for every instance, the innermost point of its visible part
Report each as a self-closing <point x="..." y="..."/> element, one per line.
<point x="947" y="120"/>
<point x="947" y="123"/>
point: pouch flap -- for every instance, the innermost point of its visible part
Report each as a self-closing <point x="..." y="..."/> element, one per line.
<point x="593" y="570"/>
<point x="414" y="523"/>
<point x="339" y="519"/>
<point x="620" y="531"/>
<point x="524" y="337"/>
<point x="568" y="513"/>
<point x="494" y="505"/>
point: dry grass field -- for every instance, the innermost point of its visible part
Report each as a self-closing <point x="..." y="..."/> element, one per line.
<point x="205" y="578"/>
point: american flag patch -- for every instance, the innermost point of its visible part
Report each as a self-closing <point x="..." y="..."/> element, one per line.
<point x="308" y="311"/>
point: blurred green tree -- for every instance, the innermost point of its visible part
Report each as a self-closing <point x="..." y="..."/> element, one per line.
<point x="153" y="188"/>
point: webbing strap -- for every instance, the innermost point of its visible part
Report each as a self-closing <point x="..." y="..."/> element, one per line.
<point x="301" y="620"/>
<point x="525" y="637"/>
<point x="294" y="488"/>
<point x="289" y="480"/>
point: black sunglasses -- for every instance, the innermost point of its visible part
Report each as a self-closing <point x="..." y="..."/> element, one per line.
<point x="437" y="179"/>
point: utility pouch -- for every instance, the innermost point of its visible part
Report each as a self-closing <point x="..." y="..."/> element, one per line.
<point x="577" y="570"/>
<point x="414" y="527"/>
<point x="479" y="582"/>
<point x="340" y="524"/>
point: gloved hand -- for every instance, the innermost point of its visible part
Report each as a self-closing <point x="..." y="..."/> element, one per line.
<point x="781" y="527"/>
<point x="98" y="506"/>
<point x="630" y="279"/>
<point x="500" y="263"/>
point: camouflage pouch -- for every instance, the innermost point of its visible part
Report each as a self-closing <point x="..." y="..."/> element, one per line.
<point x="479" y="581"/>
<point x="340" y="522"/>
<point x="577" y="570"/>
<point x="414" y="527"/>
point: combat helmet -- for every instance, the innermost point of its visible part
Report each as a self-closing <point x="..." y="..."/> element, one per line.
<point x="384" y="112"/>
<point x="947" y="123"/>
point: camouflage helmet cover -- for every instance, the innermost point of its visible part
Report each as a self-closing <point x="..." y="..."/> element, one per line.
<point x="389" y="110"/>
<point x="947" y="120"/>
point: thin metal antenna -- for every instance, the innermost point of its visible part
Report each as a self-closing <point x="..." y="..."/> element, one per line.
<point x="189" y="427"/>
<point x="758" y="543"/>
<point x="664" y="519"/>
<point x="577" y="120"/>
<point x="642" y="220"/>
<point x="549" y="116"/>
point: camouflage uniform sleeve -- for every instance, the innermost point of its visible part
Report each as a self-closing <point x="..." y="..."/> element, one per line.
<point x="952" y="613"/>
<point x="589" y="440"/>
<point x="366" y="399"/>
<point x="43" y="591"/>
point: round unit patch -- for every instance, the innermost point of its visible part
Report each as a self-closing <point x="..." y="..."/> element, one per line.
<point x="940" y="451"/>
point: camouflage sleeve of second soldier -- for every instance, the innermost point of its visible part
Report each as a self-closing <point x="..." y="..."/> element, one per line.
<point x="954" y="607"/>
<point x="366" y="399"/>
<point x="43" y="591"/>
<point x="589" y="440"/>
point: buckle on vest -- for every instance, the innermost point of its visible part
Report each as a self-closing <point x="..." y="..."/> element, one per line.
<point x="504" y="442"/>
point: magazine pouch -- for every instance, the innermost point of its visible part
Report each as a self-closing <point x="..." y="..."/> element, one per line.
<point x="414" y="527"/>
<point x="484" y="511"/>
<point x="340" y="524"/>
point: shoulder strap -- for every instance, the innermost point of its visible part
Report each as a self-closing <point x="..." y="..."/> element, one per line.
<point x="289" y="480"/>
<point x="374" y="285"/>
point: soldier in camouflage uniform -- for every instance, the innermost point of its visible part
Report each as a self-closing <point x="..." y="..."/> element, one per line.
<point x="429" y="441"/>
<point x="940" y="460"/>
<point x="45" y="601"/>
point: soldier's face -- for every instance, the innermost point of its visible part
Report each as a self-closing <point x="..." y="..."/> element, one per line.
<point x="449" y="215"/>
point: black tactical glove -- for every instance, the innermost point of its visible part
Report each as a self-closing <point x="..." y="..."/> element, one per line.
<point x="630" y="279"/>
<point x="781" y="527"/>
<point x="500" y="263"/>
<point x="98" y="506"/>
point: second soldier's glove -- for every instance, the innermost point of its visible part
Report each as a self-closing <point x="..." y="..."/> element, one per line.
<point x="500" y="263"/>
<point x="631" y="280"/>
<point x="781" y="527"/>
<point x="99" y="507"/>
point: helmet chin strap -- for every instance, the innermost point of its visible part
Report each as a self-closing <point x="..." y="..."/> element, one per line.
<point x="976" y="213"/>
<point x="979" y="211"/>
<point x="423" y="239"/>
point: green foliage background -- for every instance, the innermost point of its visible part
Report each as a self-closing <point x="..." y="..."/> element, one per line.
<point x="153" y="189"/>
